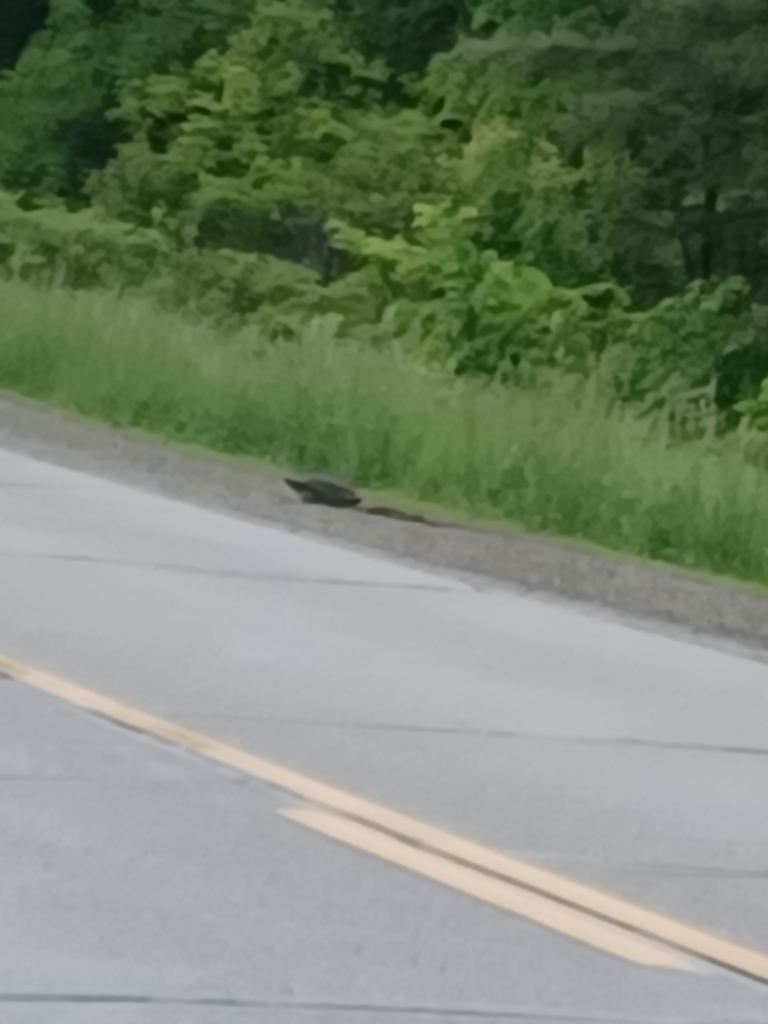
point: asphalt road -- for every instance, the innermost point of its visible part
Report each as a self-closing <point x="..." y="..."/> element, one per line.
<point x="142" y="883"/>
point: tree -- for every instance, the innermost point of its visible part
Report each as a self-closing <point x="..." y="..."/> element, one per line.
<point x="54" y="105"/>
<point x="680" y="87"/>
<point x="21" y="19"/>
<point x="405" y="33"/>
<point x="700" y="132"/>
<point x="259" y="143"/>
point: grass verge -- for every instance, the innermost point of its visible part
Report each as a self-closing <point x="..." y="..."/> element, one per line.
<point x="560" y="462"/>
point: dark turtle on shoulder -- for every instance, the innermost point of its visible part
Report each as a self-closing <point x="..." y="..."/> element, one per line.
<point x="324" y="490"/>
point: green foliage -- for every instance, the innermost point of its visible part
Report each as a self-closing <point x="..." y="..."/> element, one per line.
<point x="437" y="293"/>
<point x="678" y="350"/>
<point x="406" y="33"/>
<point x="505" y="187"/>
<point x="691" y="356"/>
<point x="680" y="88"/>
<point x="560" y="459"/>
<point x="78" y="250"/>
<point x="257" y="145"/>
<point x="21" y="19"/>
<point x="465" y="305"/>
<point x="752" y="433"/>
<point x="756" y="409"/>
<point x="86" y="250"/>
<point x="535" y="207"/>
<point x="54" y="124"/>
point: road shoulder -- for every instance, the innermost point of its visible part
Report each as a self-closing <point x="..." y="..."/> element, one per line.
<point x="652" y="596"/>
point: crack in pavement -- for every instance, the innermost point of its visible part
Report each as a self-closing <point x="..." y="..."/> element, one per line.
<point x="239" y="574"/>
<point x="502" y="734"/>
<point x="10" y="485"/>
<point x="638" y="867"/>
<point x="694" y="870"/>
<point x="224" y="1002"/>
<point x="50" y="778"/>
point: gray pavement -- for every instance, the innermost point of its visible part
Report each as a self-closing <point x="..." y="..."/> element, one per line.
<point x="667" y="598"/>
<point x="141" y="884"/>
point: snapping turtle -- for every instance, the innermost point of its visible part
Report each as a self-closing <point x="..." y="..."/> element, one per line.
<point x="324" y="490"/>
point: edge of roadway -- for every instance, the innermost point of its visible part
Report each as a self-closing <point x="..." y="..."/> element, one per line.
<point x="651" y="596"/>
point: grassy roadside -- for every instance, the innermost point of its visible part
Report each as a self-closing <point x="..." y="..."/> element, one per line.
<point x="557" y="463"/>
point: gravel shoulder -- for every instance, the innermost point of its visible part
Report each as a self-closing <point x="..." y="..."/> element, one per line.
<point x="649" y="596"/>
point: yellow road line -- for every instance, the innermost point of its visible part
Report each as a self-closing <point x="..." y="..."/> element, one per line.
<point x="576" y="925"/>
<point x="462" y="852"/>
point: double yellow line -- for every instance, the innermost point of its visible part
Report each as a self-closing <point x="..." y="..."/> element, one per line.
<point x="605" y="922"/>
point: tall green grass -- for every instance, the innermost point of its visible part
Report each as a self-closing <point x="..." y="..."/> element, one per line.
<point x="560" y="461"/>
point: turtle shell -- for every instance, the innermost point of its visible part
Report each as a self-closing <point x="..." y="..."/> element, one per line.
<point x="324" y="490"/>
